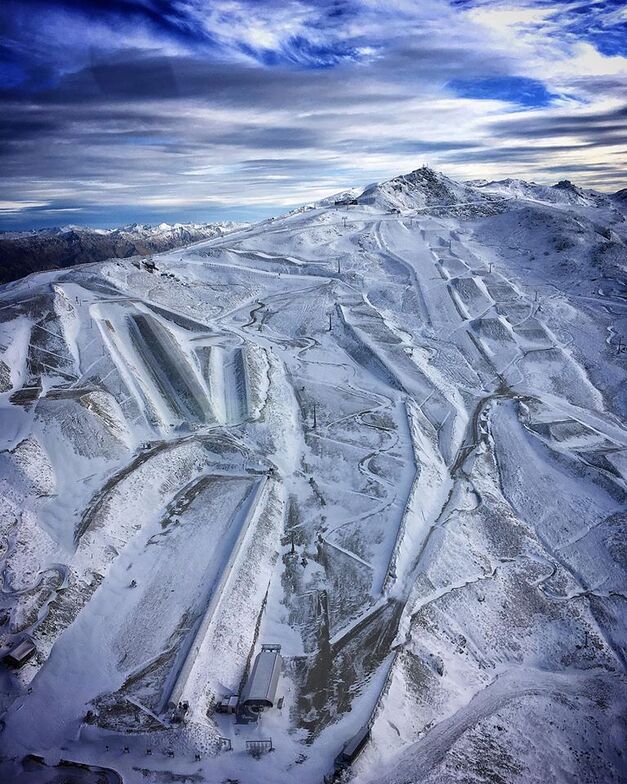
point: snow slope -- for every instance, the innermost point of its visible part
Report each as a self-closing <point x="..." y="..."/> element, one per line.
<point x="385" y="431"/>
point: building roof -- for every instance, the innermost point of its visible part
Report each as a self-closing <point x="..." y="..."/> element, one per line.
<point x="264" y="678"/>
<point x="353" y="746"/>
<point x="22" y="650"/>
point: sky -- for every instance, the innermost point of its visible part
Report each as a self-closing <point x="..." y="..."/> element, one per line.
<point x="121" y="111"/>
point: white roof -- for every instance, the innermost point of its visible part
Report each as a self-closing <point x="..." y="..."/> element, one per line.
<point x="264" y="678"/>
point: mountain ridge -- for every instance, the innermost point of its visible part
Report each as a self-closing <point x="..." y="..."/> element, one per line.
<point x="22" y="253"/>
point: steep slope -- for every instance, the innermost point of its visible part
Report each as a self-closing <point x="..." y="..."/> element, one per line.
<point x="392" y="442"/>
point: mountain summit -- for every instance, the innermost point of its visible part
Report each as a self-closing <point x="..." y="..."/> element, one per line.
<point x="423" y="188"/>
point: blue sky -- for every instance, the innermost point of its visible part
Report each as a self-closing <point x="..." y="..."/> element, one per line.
<point x="116" y="111"/>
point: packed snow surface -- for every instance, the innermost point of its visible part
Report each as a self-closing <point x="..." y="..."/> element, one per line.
<point x="385" y="431"/>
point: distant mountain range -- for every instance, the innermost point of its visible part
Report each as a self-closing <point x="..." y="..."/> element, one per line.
<point x="44" y="249"/>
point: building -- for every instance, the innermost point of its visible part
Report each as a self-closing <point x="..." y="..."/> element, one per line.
<point x="352" y="748"/>
<point x="228" y="704"/>
<point x="261" y="686"/>
<point x="20" y="653"/>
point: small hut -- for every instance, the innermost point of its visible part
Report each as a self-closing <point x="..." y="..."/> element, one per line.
<point x="260" y="690"/>
<point x="20" y="653"/>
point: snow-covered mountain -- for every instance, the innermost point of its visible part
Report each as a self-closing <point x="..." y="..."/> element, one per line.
<point x="25" y="252"/>
<point x="425" y="188"/>
<point x="385" y="431"/>
<point x="563" y="193"/>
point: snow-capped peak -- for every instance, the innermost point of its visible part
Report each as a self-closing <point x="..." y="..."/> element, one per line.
<point x="421" y="188"/>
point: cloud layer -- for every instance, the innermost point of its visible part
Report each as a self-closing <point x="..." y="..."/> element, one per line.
<point x="122" y="110"/>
